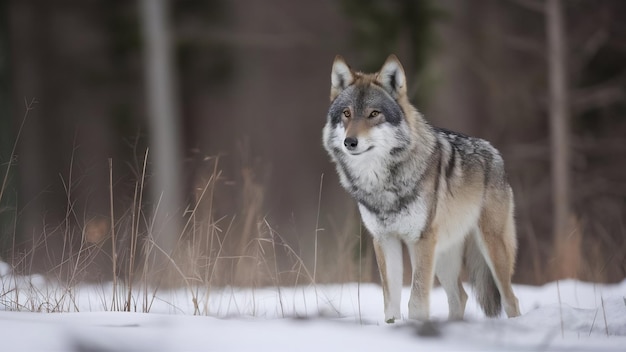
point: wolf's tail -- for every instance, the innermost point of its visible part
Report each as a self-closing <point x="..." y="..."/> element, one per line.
<point x="481" y="278"/>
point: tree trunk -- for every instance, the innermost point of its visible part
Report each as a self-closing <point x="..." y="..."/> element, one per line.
<point x="162" y="110"/>
<point x="565" y="246"/>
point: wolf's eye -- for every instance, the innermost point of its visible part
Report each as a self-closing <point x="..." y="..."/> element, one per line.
<point x="374" y="114"/>
<point x="346" y="113"/>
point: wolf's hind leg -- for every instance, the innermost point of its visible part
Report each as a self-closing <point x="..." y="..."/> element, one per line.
<point x="389" y="258"/>
<point x="448" y="270"/>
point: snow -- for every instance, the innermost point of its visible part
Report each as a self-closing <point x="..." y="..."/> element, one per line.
<point x="564" y="315"/>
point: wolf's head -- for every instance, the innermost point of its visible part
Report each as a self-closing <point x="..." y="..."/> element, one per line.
<point x="368" y="112"/>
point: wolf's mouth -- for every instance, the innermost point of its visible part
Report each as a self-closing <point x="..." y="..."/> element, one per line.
<point x="365" y="151"/>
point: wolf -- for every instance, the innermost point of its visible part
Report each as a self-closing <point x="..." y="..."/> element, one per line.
<point x="443" y="194"/>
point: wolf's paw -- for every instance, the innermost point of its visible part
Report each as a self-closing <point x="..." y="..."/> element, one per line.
<point x="391" y="318"/>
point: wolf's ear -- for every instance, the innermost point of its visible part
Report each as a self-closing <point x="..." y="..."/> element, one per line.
<point x="340" y="78"/>
<point x="391" y="77"/>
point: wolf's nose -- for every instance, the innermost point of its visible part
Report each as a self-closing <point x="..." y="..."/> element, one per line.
<point x="350" y="143"/>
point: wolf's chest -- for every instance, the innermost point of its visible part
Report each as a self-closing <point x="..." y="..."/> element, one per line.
<point x="389" y="201"/>
<point x="407" y="222"/>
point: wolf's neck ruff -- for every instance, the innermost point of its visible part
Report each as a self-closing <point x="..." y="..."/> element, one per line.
<point x="385" y="182"/>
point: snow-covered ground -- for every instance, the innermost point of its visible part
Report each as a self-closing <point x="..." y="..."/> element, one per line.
<point x="567" y="316"/>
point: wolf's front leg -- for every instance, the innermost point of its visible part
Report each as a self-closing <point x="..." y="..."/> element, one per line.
<point x="389" y="257"/>
<point x="422" y="260"/>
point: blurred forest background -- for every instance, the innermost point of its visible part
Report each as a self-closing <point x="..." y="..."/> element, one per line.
<point x="222" y="104"/>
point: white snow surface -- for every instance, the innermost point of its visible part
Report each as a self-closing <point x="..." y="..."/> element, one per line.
<point x="565" y="316"/>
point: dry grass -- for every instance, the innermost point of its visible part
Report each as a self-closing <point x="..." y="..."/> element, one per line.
<point x="120" y="252"/>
